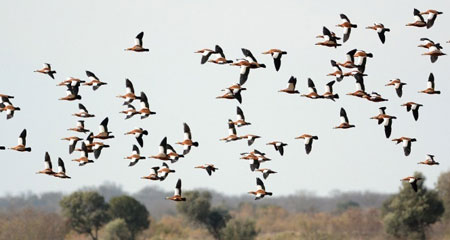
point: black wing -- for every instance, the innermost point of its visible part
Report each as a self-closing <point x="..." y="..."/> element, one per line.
<point x="129" y="85"/>
<point x="249" y="54"/>
<point x="260" y="183"/>
<point x="47" y="160"/>
<point x="104" y="123"/>
<point x="61" y="165"/>
<point x="344" y="114"/>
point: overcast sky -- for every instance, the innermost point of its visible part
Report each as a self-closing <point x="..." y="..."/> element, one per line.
<point x="75" y="36"/>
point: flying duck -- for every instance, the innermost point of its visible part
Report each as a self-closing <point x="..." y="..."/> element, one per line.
<point x="22" y="142"/>
<point x="329" y="92"/>
<point x="72" y="142"/>
<point x="6" y="105"/>
<point x="434" y="52"/>
<point x="344" y="121"/>
<point x="79" y="128"/>
<point x="291" y="86"/>
<point x="47" y="69"/>
<point x="48" y="166"/>
<point x="72" y="81"/>
<point x="266" y="172"/>
<point x="83" y="113"/>
<point x="360" y="88"/>
<point x="95" y="82"/>
<point x="350" y="60"/>
<point x="138" y="133"/>
<point x="432" y="15"/>
<point x="412" y="181"/>
<point x="130" y="112"/>
<point x="398" y="85"/>
<point x="414" y="107"/>
<point x="361" y="60"/>
<point x="145" y="107"/>
<point x="61" y="170"/>
<point x="206" y="53"/>
<point x="312" y="90"/>
<point x="173" y="155"/>
<point x="232" y="94"/>
<point x="419" y="21"/>
<point x="381" y="30"/>
<point x="165" y="170"/>
<point x="129" y="94"/>
<point x="177" y="195"/>
<point x="84" y="159"/>
<point x="337" y="71"/>
<point x="279" y="146"/>
<point x="187" y="142"/>
<point x="162" y="154"/>
<point x="406" y="143"/>
<point x="430" y="86"/>
<point x="347" y="26"/>
<point x="103" y="130"/>
<point x="429" y="161"/>
<point x="240" y="118"/>
<point x="276" y="55"/>
<point x="232" y="132"/>
<point x="250" y="138"/>
<point x="374" y="97"/>
<point x="135" y="156"/>
<point x="261" y="190"/>
<point x="209" y="168"/>
<point x="308" y="141"/>
<point x="382" y="117"/>
<point x="138" y="47"/>
<point x="330" y="39"/>
<point x="153" y="174"/>
<point x="222" y="59"/>
<point x="71" y="93"/>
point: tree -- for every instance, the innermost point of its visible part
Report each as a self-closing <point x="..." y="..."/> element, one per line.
<point x="408" y="214"/>
<point x="131" y="211"/>
<point x="239" y="229"/>
<point x="86" y="211"/>
<point x="443" y="186"/>
<point x="117" y="230"/>
<point x="198" y="209"/>
<point x="344" y="206"/>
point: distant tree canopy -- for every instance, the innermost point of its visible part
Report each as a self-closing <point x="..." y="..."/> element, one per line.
<point x="86" y="211"/>
<point x="344" y="206"/>
<point x="116" y="230"/>
<point x="239" y="229"/>
<point x="408" y="214"/>
<point x="198" y="209"/>
<point x="131" y="211"/>
<point x="443" y="187"/>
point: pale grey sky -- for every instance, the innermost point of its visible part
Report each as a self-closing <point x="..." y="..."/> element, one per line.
<point x="75" y="36"/>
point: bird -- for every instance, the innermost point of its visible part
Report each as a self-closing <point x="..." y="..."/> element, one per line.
<point x="382" y="117"/>
<point x="261" y="190"/>
<point x="232" y="93"/>
<point x="83" y="113"/>
<point x="350" y="59"/>
<point x="129" y="95"/>
<point x="48" y="166"/>
<point x="72" y="142"/>
<point x="406" y="143"/>
<point x="135" y="156"/>
<point x="291" y="86"/>
<point x="276" y="55"/>
<point x="430" y="86"/>
<point x="428" y="43"/>
<point x="71" y="93"/>
<point x="434" y="52"/>
<point x="312" y="91"/>
<point x="208" y="167"/>
<point x="130" y="112"/>
<point x="138" y="46"/>
<point x="344" y="121"/>
<point x="95" y="82"/>
<point x="103" y="130"/>
<point x="6" y="105"/>
<point x="347" y="26"/>
<point x="79" y="128"/>
<point x="22" y="142"/>
<point x="153" y="174"/>
<point x="374" y="97"/>
<point x="47" y="69"/>
<point x="165" y="170"/>
<point x="84" y="159"/>
<point x="246" y="64"/>
<point x="266" y="172"/>
<point x="412" y="181"/>
<point x="337" y="71"/>
<point x="330" y="39"/>
<point x="360" y="88"/>
<point x="162" y="154"/>
<point x="187" y="141"/>
<point x="72" y="81"/>
<point x="145" y="107"/>
<point x="419" y="21"/>
<point x="232" y="133"/>
<point x="398" y="85"/>
<point x="414" y="107"/>
<point x="256" y="157"/>
<point x="381" y="30"/>
<point x="61" y="170"/>
<point x="250" y="138"/>
<point x="328" y="94"/>
<point x="240" y="122"/>
<point x="279" y="146"/>
<point x="361" y="60"/>
<point x="432" y="15"/>
<point x="308" y="141"/>
<point x="177" y="194"/>
<point x="429" y="161"/>
<point x="222" y="59"/>
<point x="138" y="133"/>
<point x="97" y="148"/>
<point x="206" y="53"/>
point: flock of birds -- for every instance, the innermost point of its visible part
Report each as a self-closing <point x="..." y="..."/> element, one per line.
<point x="356" y="61"/>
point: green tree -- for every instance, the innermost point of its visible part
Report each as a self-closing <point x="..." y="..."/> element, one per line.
<point x="132" y="212"/>
<point x="239" y="229"/>
<point x="408" y="214"/>
<point x="443" y="186"/>
<point x="198" y="209"/>
<point x="86" y="211"/>
<point x="116" y="230"/>
<point x="344" y="206"/>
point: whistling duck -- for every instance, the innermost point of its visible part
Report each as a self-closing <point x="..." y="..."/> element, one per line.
<point x="61" y="170"/>
<point x="350" y="62"/>
<point x="430" y="86"/>
<point x="135" y="156"/>
<point x="250" y="138"/>
<point x="72" y="142"/>
<point x="162" y="154"/>
<point x="47" y="69"/>
<point x="48" y="166"/>
<point x="83" y="113"/>
<point x="434" y="52"/>
<point x="337" y="71"/>
<point x="71" y="93"/>
<point x="429" y="161"/>
<point x="208" y="167"/>
<point x="347" y="26"/>
<point x="360" y="88"/>
<point x="6" y="105"/>
<point x="240" y="118"/>
<point x="375" y="97"/>
<point x="256" y="157"/>
<point x="386" y="119"/>
<point x="84" y="159"/>
<point x="381" y="30"/>
<point x="398" y="85"/>
<point x="79" y="128"/>
<point x="72" y="81"/>
<point x="130" y="112"/>
<point x="177" y="195"/>
<point x="187" y="141"/>
<point x="419" y="21"/>
<point x="220" y="60"/>
<point x="279" y="146"/>
<point x="97" y="148"/>
<point x="428" y="43"/>
<point x="88" y="142"/>
<point x="414" y="107"/>
<point x="362" y="59"/>
<point x="234" y="87"/>
<point x="312" y="90"/>
<point x="173" y="155"/>
<point x="266" y="172"/>
<point x="145" y="107"/>
<point x="103" y="130"/>
<point x="22" y="142"/>
<point x="330" y="38"/>
<point x="308" y="141"/>
<point x="246" y="64"/>
<point x="138" y="47"/>
<point x="129" y="95"/>
<point x="232" y="94"/>
<point x="138" y="133"/>
<point x="406" y="144"/>
<point x="432" y="15"/>
<point x="412" y="181"/>
<point x="95" y="82"/>
<point x="329" y="92"/>
<point x="261" y="190"/>
<point x="165" y="170"/>
<point x="206" y="53"/>
<point x="291" y="86"/>
<point x="232" y="132"/>
<point x="153" y="174"/>
<point x="276" y="55"/>
<point x="344" y="121"/>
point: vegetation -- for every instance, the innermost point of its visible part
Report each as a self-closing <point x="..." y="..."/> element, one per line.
<point x="117" y="229"/>
<point x="132" y="212"/>
<point x="239" y="229"/>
